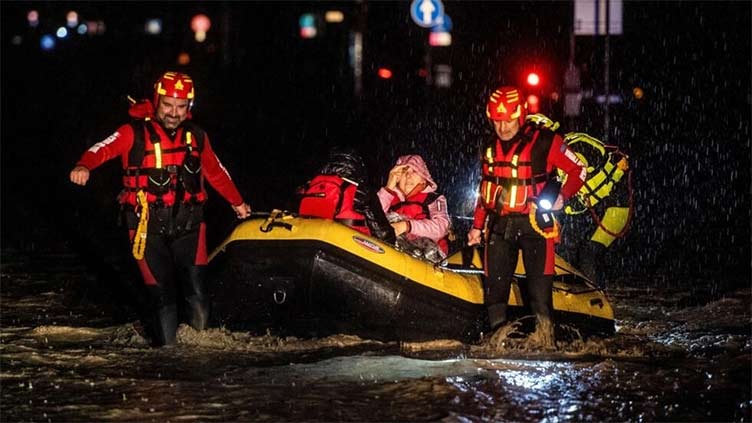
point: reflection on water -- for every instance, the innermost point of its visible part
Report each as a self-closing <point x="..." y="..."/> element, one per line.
<point x="65" y="358"/>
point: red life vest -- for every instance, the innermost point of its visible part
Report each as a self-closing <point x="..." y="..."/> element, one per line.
<point x="331" y="197"/>
<point x="511" y="179"/>
<point x="164" y="168"/>
<point x="416" y="207"/>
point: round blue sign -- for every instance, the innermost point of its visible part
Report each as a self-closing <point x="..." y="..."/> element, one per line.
<point x="426" y="13"/>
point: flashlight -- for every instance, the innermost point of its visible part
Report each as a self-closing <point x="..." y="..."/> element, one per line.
<point x="544" y="216"/>
<point x="550" y="192"/>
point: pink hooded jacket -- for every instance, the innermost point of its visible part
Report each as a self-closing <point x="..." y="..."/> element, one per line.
<point x="435" y="228"/>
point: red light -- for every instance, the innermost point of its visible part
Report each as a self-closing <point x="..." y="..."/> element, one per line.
<point x="533" y="105"/>
<point x="307" y="32"/>
<point x="385" y="73"/>
<point x="440" y="39"/>
<point x="533" y="79"/>
<point x="200" y="23"/>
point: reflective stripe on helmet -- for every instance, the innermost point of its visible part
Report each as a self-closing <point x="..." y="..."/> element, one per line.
<point x="506" y="103"/>
<point x="175" y="85"/>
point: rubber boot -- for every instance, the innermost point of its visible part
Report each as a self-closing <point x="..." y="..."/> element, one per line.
<point x="196" y="301"/>
<point x="497" y="315"/>
<point x="198" y="312"/>
<point x="165" y="325"/>
<point x="544" y="333"/>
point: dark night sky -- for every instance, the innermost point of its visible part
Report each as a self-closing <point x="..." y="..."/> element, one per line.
<point x="273" y="104"/>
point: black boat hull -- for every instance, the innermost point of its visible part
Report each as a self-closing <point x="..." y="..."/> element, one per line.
<point x="313" y="278"/>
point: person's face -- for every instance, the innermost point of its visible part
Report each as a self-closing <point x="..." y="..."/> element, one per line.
<point x="410" y="179"/>
<point x="172" y="111"/>
<point x="506" y="129"/>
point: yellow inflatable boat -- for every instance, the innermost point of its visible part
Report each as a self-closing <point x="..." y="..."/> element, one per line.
<point x="314" y="277"/>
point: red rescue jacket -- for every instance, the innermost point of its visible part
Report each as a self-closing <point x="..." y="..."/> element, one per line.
<point x="515" y="171"/>
<point x="165" y="174"/>
<point x="416" y="207"/>
<point x="165" y="180"/>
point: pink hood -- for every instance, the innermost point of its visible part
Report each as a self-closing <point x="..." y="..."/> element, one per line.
<point x="418" y="166"/>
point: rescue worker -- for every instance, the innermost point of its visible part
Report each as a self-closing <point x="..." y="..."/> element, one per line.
<point x="516" y="165"/>
<point x="416" y="210"/>
<point x="606" y="195"/>
<point x="339" y="191"/>
<point x="166" y="161"/>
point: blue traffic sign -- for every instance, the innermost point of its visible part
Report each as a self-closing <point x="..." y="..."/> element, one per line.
<point x="443" y="24"/>
<point x="426" y="13"/>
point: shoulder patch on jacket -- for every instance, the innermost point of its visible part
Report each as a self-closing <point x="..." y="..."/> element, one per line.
<point x="94" y="148"/>
<point x="571" y="156"/>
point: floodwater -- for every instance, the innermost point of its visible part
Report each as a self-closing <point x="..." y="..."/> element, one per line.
<point x="65" y="357"/>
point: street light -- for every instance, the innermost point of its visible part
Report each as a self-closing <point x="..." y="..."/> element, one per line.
<point x="534" y="87"/>
<point x="200" y="24"/>
<point x="33" y="18"/>
<point x="533" y="79"/>
<point x="307" y="24"/>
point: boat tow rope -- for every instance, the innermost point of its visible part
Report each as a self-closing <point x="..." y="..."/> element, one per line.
<point x="271" y="222"/>
<point x="536" y="228"/>
<point x="267" y="225"/>
<point x="139" y="239"/>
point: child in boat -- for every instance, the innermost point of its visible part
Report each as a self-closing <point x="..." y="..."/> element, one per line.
<point x="418" y="213"/>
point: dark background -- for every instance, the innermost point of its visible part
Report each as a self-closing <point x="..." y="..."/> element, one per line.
<point x="274" y="103"/>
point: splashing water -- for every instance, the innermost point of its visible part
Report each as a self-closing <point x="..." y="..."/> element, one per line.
<point x="64" y="360"/>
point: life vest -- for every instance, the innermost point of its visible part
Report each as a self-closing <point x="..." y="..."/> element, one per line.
<point x="416" y="207"/>
<point x="600" y="180"/>
<point x="164" y="174"/>
<point x="510" y="179"/>
<point x="332" y="197"/>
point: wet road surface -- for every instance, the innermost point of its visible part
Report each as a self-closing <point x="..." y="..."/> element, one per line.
<point x="67" y="355"/>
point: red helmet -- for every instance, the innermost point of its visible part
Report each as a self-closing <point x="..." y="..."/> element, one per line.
<point x="176" y="85"/>
<point x="506" y="104"/>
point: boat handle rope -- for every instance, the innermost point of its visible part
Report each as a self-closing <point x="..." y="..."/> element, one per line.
<point x="267" y="226"/>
